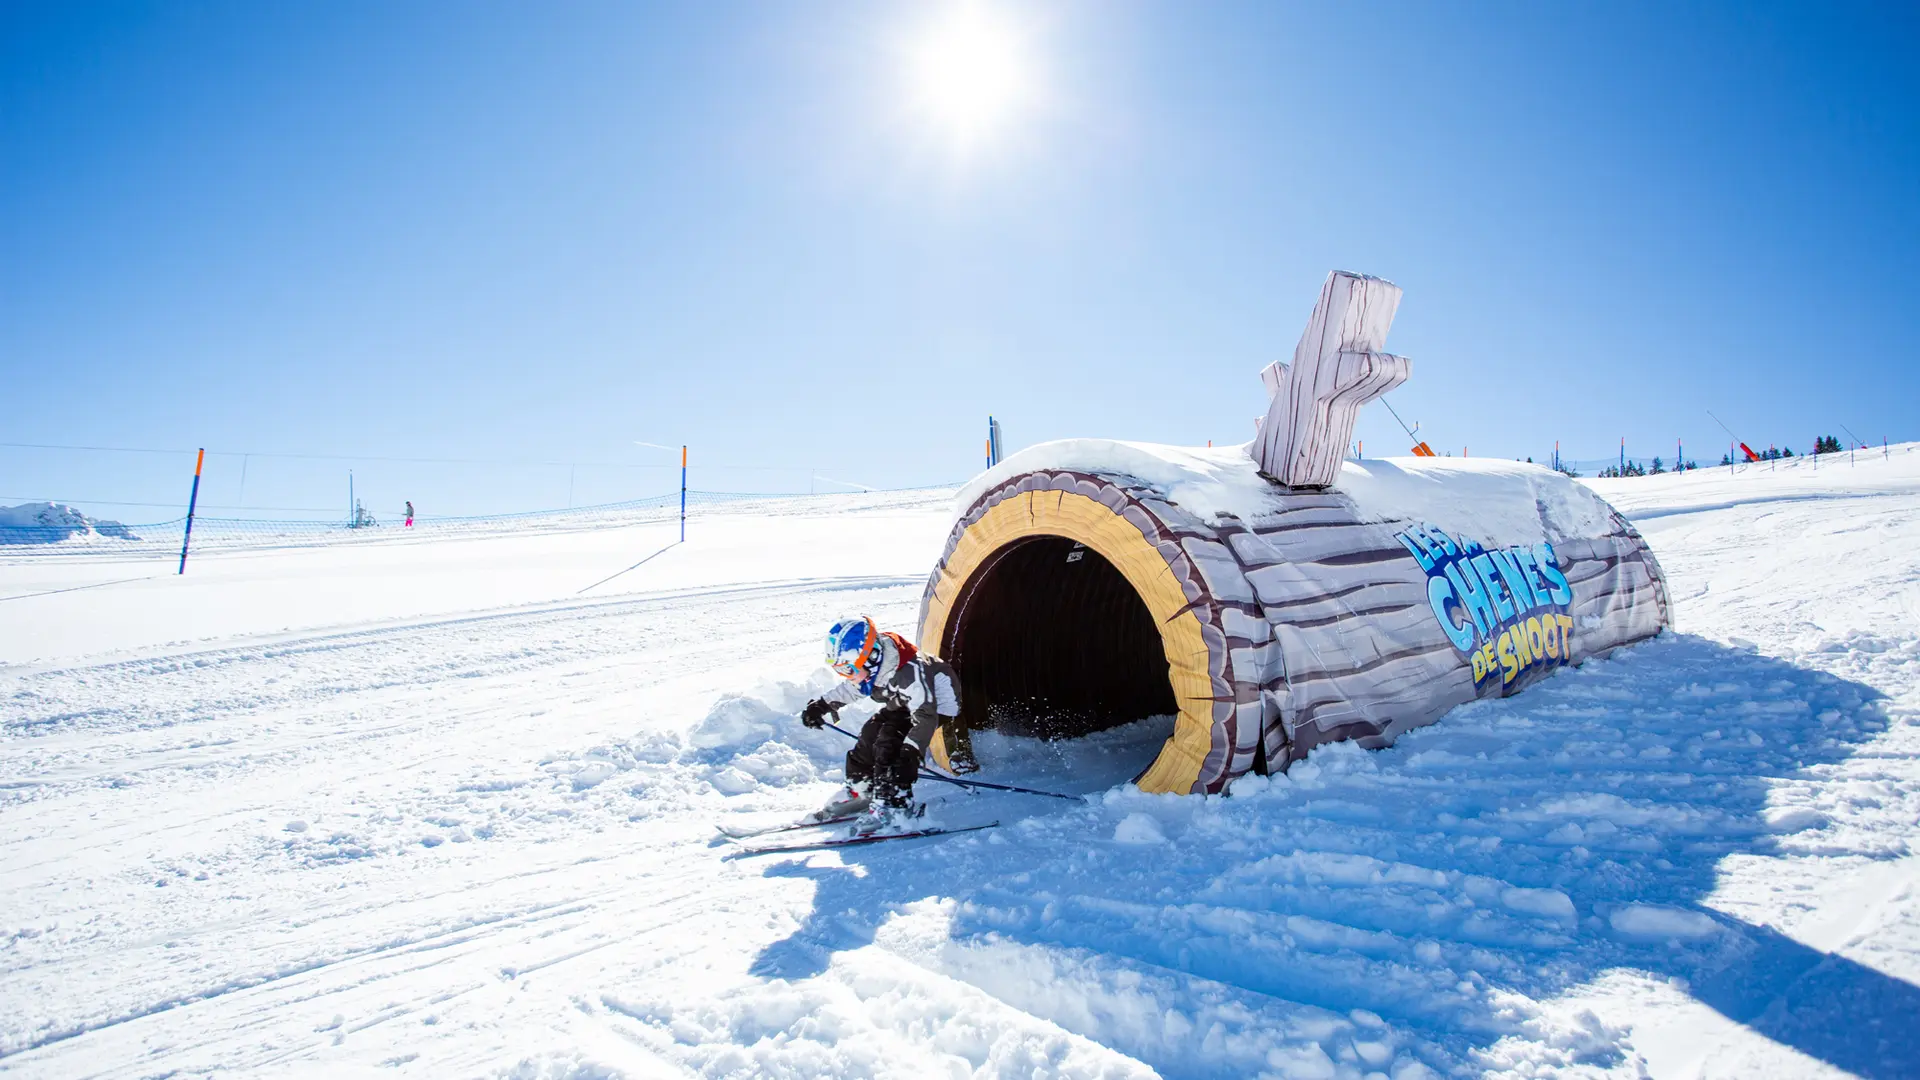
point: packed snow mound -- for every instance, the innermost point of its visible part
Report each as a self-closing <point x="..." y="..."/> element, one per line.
<point x="754" y="740"/>
<point x="1693" y="858"/>
<point x="51" y="523"/>
<point x="752" y="743"/>
<point x="1501" y="503"/>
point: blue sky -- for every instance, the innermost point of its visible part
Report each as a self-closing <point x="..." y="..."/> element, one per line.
<point x="523" y="233"/>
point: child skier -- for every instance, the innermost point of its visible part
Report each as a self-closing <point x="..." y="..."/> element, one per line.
<point x="917" y="693"/>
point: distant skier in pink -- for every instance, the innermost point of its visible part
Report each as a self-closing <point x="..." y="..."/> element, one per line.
<point x="409" y="513"/>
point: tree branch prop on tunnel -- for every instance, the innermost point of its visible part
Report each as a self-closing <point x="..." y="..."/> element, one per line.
<point x="1337" y="368"/>
<point x="932" y="773"/>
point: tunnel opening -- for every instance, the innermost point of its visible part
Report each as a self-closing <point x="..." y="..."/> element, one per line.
<point x="1051" y="641"/>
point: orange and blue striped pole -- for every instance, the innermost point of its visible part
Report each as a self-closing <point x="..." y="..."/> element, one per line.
<point x="683" y="493"/>
<point x="193" y="500"/>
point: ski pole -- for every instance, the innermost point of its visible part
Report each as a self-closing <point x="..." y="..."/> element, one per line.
<point x="935" y="774"/>
<point x="1007" y="787"/>
<point x="932" y="772"/>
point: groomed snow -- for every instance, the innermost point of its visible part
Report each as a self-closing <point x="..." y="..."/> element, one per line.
<point x="418" y="810"/>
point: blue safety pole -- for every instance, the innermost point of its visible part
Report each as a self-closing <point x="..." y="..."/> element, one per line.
<point x="193" y="501"/>
<point x="683" y="494"/>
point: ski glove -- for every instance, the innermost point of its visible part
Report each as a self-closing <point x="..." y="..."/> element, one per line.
<point x="815" y="714"/>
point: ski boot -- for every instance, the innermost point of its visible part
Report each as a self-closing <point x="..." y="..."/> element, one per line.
<point x="960" y="757"/>
<point x="848" y="802"/>
<point x="877" y="818"/>
<point x="889" y="815"/>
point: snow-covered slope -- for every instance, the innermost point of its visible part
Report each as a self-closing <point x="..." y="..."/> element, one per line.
<point x="422" y="811"/>
<point x="59" y="609"/>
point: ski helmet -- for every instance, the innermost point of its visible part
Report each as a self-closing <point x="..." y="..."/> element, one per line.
<point x="852" y="646"/>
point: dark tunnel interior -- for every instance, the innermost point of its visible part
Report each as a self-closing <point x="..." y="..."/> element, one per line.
<point x="1049" y="640"/>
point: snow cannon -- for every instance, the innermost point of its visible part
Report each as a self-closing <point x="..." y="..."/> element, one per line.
<point x="1273" y="597"/>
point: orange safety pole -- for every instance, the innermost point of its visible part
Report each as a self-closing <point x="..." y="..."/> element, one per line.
<point x="193" y="501"/>
<point x="683" y="493"/>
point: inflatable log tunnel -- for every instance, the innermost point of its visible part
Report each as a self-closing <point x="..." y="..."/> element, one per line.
<point x="1088" y="584"/>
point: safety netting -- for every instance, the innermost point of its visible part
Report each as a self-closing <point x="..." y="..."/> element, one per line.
<point x="64" y="532"/>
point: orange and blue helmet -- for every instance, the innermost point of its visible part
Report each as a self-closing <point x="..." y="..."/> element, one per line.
<point x="853" y="647"/>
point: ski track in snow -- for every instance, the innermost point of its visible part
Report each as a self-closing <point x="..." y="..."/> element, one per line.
<point x="483" y="845"/>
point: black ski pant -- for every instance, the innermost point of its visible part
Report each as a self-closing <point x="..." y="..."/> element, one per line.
<point x="883" y="755"/>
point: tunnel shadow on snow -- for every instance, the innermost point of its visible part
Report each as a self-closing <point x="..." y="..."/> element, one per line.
<point x="1347" y="886"/>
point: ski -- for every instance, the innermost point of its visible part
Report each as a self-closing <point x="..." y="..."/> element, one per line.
<point x="741" y="832"/>
<point x="853" y="841"/>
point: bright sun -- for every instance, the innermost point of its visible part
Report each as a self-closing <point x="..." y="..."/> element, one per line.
<point x="969" y="73"/>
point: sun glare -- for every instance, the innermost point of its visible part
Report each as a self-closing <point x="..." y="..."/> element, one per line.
<point x="969" y="74"/>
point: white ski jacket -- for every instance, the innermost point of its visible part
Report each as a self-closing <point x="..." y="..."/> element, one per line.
<point x="923" y="686"/>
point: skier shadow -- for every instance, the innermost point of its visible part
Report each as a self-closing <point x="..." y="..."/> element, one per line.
<point x="1683" y="735"/>
<point x="842" y="920"/>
